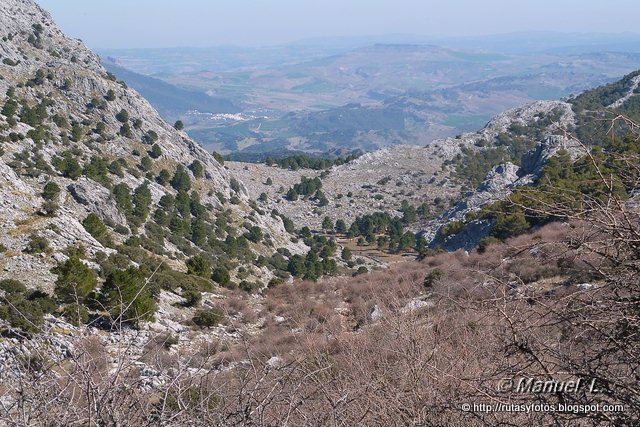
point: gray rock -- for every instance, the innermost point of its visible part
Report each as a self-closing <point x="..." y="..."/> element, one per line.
<point x="375" y="313"/>
<point x="499" y="183"/>
<point x="534" y="161"/>
<point x="467" y="239"/>
<point x="500" y="177"/>
<point x="96" y="199"/>
<point x="275" y="362"/>
<point x="416" y="304"/>
<point x="635" y="83"/>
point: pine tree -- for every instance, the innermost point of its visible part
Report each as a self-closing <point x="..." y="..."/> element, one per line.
<point x="126" y="295"/>
<point x="181" y="180"/>
<point x="198" y="266"/>
<point x="327" y="224"/>
<point x="156" y="151"/>
<point x="50" y="190"/>
<point x="197" y="169"/>
<point x="75" y="280"/>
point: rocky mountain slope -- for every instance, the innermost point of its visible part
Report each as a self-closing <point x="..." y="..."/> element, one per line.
<point x="384" y="179"/>
<point x="68" y="125"/>
<point x="596" y="121"/>
<point x="377" y="181"/>
<point x="453" y="179"/>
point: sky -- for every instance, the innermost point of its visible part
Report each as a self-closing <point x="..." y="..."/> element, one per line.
<point x="201" y="23"/>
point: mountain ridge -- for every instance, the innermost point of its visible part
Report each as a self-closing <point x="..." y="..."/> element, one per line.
<point x="171" y="101"/>
<point x="65" y="116"/>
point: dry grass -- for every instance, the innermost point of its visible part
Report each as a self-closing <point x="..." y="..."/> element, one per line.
<point x="320" y="358"/>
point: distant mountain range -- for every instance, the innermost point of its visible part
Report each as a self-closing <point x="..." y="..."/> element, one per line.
<point x="233" y="58"/>
<point x="365" y="93"/>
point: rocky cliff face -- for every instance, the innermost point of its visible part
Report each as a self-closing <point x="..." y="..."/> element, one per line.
<point x="499" y="182"/>
<point x="65" y="120"/>
<point x="380" y="181"/>
<point x="503" y="178"/>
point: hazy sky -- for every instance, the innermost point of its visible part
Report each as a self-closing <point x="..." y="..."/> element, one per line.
<point x="171" y="23"/>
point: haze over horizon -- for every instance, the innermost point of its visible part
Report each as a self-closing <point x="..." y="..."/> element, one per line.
<point x="199" y="23"/>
